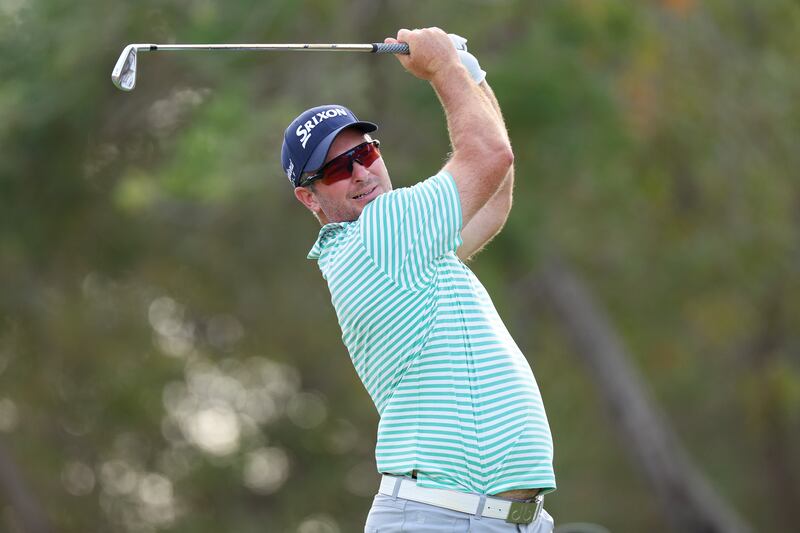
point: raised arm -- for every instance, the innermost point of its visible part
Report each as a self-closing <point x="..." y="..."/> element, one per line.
<point x="481" y="153"/>
<point x="491" y="218"/>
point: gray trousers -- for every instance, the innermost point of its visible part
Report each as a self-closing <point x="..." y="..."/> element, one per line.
<point x="395" y="515"/>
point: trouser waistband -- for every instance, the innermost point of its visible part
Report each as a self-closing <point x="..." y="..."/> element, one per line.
<point x="479" y="505"/>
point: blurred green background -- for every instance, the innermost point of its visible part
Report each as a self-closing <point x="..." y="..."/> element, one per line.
<point x="170" y="361"/>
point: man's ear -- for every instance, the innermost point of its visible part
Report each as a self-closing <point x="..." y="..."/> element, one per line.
<point x="307" y="198"/>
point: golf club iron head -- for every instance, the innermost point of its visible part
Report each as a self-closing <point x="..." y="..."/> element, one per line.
<point x="124" y="73"/>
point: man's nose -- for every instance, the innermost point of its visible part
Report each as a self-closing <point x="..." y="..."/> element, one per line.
<point x="359" y="171"/>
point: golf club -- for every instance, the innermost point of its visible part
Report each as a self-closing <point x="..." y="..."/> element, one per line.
<point x="124" y="73"/>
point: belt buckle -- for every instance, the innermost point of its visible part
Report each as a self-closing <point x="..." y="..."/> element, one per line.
<point x="525" y="512"/>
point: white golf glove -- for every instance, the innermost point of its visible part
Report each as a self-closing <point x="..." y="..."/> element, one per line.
<point x="467" y="59"/>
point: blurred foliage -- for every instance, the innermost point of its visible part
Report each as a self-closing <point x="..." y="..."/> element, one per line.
<point x="169" y="361"/>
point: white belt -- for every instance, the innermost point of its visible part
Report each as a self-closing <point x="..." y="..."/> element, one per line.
<point x="407" y="489"/>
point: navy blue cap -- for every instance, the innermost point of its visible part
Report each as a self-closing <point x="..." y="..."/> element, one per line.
<point x="308" y="137"/>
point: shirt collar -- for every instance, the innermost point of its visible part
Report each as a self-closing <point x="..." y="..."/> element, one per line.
<point x="325" y="233"/>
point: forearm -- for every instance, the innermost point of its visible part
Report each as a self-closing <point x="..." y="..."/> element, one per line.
<point x="474" y="125"/>
<point x="507" y="187"/>
<point x="491" y="218"/>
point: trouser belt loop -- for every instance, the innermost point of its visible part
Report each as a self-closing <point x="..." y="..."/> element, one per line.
<point x="481" y="505"/>
<point x="539" y="499"/>
<point x="397" y="482"/>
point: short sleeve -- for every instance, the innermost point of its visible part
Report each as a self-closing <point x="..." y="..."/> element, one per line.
<point x="406" y="230"/>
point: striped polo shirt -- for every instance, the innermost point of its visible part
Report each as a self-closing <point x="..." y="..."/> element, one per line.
<point x="457" y="400"/>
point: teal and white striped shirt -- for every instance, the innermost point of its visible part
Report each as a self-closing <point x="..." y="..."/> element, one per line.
<point x="457" y="399"/>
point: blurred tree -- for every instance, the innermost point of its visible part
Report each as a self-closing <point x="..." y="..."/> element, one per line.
<point x="688" y="501"/>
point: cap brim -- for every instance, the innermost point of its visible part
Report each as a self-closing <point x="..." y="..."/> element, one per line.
<point x="321" y="151"/>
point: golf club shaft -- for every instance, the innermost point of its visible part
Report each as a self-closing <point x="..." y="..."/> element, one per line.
<point x="399" y="48"/>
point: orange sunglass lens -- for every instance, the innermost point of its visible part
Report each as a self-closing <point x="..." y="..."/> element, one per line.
<point x="341" y="167"/>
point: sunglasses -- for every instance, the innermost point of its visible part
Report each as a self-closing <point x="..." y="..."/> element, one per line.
<point x="341" y="166"/>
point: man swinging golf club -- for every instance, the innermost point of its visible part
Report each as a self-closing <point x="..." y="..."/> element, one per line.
<point x="463" y="440"/>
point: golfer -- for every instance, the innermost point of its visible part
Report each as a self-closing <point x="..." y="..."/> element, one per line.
<point x="463" y="440"/>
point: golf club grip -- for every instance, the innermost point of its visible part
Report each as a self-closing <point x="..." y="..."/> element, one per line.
<point x="396" y="48"/>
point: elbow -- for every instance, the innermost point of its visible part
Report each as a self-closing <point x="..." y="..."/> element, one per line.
<point x="507" y="158"/>
<point x="502" y="157"/>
